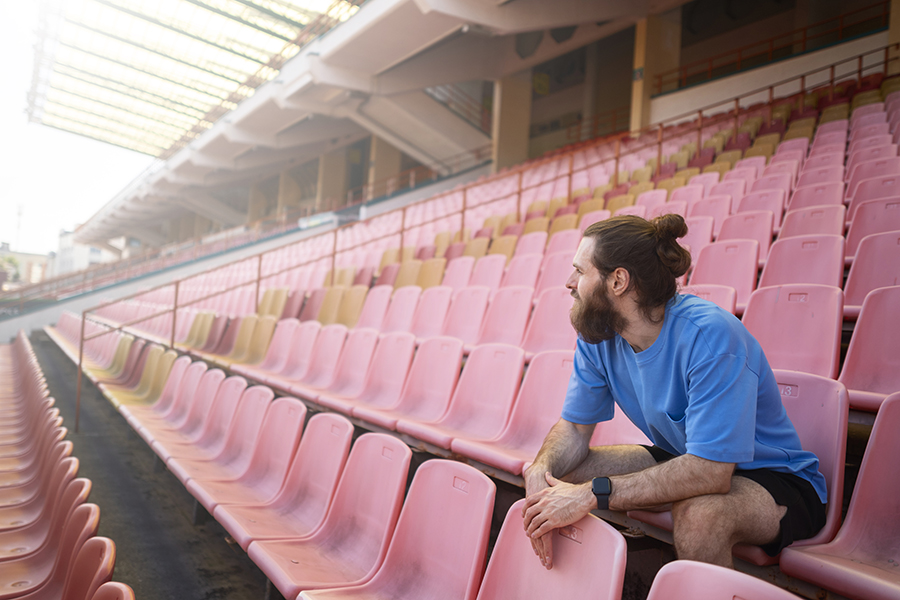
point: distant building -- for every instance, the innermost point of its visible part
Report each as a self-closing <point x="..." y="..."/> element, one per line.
<point x="21" y="268"/>
<point x="72" y="256"/>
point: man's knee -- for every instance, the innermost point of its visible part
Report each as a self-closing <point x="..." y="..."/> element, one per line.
<point x="702" y="528"/>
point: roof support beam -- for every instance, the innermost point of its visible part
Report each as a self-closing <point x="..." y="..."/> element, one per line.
<point x="208" y="207"/>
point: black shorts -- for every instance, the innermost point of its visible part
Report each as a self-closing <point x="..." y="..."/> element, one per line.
<point x="805" y="514"/>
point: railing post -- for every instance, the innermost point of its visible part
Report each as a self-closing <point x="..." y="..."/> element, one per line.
<point x="259" y="261"/>
<point x="175" y="315"/>
<point x="80" y="364"/>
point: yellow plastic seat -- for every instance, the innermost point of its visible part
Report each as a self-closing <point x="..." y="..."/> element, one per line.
<point x="562" y="223"/>
<point x="259" y="343"/>
<point x="344" y="276"/>
<point x="670" y="184"/>
<point x="643" y="174"/>
<point x="389" y="257"/>
<point x="555" y="205"/>
<point x="330" y="304"/>
<point x="715" y="142"/>
<point x="538" y="205"/>
<point x="475" y="248"/>
<point x="351" y="305"/>
<point x="799" y="132"/>
<point x="639" y="188"/>
<point x="730" y="156"/>
<point x="720" y="166"/>
<point x="686" y="174"/>
<point x="276" y="306"/>
<point x="123" y="347"/>
<point x="602" y="189"/>
<point x="680" y="158"/>
<point x="532" y="225"/>
<point x="494" y="223"/>
<point x="505" y="245"/>
<point x="770" y="139"/>
<point x="590" y="206"/>
<point x="618" y="202"/>
<point x="406" y="253"/>
<point x="760" y="150"/>
<point x="149" y="387"/>
<point x="431" y="273"/>
<point x="409" y="272"/>
<point x="441" y="243"/>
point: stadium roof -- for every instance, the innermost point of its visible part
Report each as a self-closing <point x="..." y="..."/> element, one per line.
<point x="152" y="75"/>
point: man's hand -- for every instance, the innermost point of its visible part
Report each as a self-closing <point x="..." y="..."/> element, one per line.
<point x="536" y="481"/>
<point x="556" y="506"/>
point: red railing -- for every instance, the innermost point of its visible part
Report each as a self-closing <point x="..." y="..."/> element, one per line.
<point x="849" y="24"/>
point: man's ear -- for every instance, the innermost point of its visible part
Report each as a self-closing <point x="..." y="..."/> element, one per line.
<point x="620" y="281"/>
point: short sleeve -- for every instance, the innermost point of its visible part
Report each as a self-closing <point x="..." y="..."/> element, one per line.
<point x="588" y="399"/>
<point x="720" y="419"/>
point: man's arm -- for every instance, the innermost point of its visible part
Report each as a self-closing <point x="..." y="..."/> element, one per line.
<point x="683" y="477"/>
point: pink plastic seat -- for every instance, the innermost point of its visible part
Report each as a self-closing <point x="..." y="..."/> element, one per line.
<point x="678" y="208"/>
<point x="428" y="387"/>
<point x="722" y="295"/>
<point x="817" y="259"/>
<point x="771" y="200"/>
<point x="174" y="403"/>
<point x="824" y="160"/>
<point x="550" y="327"/>
<point x="699" y="235"/>
<point x="276" y="355"/>
<point x="877" y="129"/>
<point x="567" y="240"/>
<point x="365" y="274"/>
<point x="22" y="505"/>
<point x="798" y="326"/>
<point x="752" y="225"/>
<point x="814" y="220"/>
<point x="820" y="176"/>
<point x="707" y="180"/>
<point x="736" y="188"/>
<point x="488" y="271"/>
<point x="389" y="273"/>
<point x="687" y="193"/>
<point x="652" y="198"/>
<point x="313" y="304"/>
<point x="482" y="401"/>
<point x="822" y="194"/>
<point x="733" y="263"/>
<point x="748" y="175"/>
<point x="268" y="465"/>
<point x="859" y="561"/>
<point x="880" y="167"/>
<point x="400" y="311"/>
<point x="92" y="567"/>
<point x="467" y="311"/>
<point x="867" y="154"/>
<point x="302" y="502"/>
<point x="459" y="271"/>
<point x="435" y="558"/>
<point x="431" y="311"/>
<point x="384" y="383"/>
<point x="186" y="424"/>
<point x="871" y="368"/>
<point x="588" y="562"/>
<point x="783" y="165"/>
<point x="877" y="265"/>
<point x="555" y="270"/>
<point x="113" y="590"/>
<point x="299" y="354"/>
<point x="210" y="440"/>
<point x="531" y="243"/>
<point x="796" y="144"/>
<point x="535" y="411"/>
<point x="506" y="317"/>
<point x="350" y="544"/>
<point x="240" y="439"/>
<point x="592" y="217"/>
<point x="375" y="306"/>
<point x="453" y="252"/>
<point x="523" y="269"/>
<point x="717" y="207"/>
<point x="318" y="372"/>
<point x="349" y="372"/>
<point x="777" y="181"/>
<point x="822" y="149"/>
<point x="872" y="141"/>
<point x="757" y="163"/>
<point x="874" y="216"/>
<point x="689" y="580"/>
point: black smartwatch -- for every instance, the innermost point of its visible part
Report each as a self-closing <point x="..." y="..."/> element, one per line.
<point x="602" y="488"/>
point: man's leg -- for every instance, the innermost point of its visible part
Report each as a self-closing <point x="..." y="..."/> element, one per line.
<point x="707" y="527"/>
<point x="605" y="461"/>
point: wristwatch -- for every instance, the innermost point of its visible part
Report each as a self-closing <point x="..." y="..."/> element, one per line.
<point x="602" y="488"/>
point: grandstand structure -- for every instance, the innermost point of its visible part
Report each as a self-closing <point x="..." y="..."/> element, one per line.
<point x="393" y="357"/>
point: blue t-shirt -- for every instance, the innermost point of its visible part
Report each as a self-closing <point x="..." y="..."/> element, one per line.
<point x="704" y="387"/>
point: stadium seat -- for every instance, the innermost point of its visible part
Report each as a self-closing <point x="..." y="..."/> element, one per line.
<point x="348" y="375"/>
<point x="590" y="218"/>
<point x="722" y="295"/>
<point x="92" y="567"/>
<point x="276" y="353"/>
<point x="173" y="408"/>
<point x="300" y="353"/>
<point x="534" y="412"/>
<point x="315" y="367"/>
<point x="446" y="554"/>
<point x="488" y="271"/>
<point x="771" y="200"/>
<point x="817" y="259"/>
<point x="877" y="265"/>
<point x="814" y="220"/>
<point x="717" y="207"/>
<point x="588" y="561"/>
<point x="523" y="270"/>
<point x="532" y="243"/>
<point x="858" y="562"/>
<point x="330" y="304"/>
<point x="302" y="502"/>
<point x="687" y="194"/>
<point x="871" y="370"/>
<point x="753" y="225"/>
<point x="506" y="317"/>
<point x="400" y="311"/>
<point x="699" y="235"/>
<point x="550" y="327"/>
<point x="428" y="388"/>
<point x="736" y="188"/>
<point x="555" y="271"/>
<point x="375" y="306"/>
<point x="369" y="496"/>
<point x="833" y="160"/>
<point x="689" y="580"/>
<point x="733" y="263"/>
<point x="113" y="590"/>
<point x="458" y="272"/>
<point x="873" y="216"/>
<point x="565" y="241"/>
<point x="434" y="303"/>
<point x="820" y="194"/>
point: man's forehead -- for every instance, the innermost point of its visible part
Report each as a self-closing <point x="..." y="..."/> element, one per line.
<point x="583" y="254"/>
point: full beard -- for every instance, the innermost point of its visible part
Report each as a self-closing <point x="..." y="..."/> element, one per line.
<point x="595" y="318"/>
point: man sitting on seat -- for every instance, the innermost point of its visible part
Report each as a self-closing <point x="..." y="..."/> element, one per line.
<point x="726" y="459"/>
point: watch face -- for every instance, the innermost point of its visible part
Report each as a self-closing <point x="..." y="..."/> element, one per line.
<point x="601" y="485"/>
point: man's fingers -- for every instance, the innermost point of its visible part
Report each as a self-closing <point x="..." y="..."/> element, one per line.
<point x="543" y="530"/>
<point x="548" y="550"/>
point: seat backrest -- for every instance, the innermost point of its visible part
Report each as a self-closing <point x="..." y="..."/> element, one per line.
<point x="555" y="271"/>
<point x="885" y="186"/>
<point x="550" y="327"/>
<point x="259" y="343"/>
<point x="408" y="273"/>
<point x="686" y="193"/>
<point x="874" y="216"/>
<point x="466" y="313"/>
<point x="732" y="262"/>
<point x="829" y="159"/>
<point x="820" y="194"/>
<point x="388" y="369"/>
<point x="313" y="305"/>
<point x="588" y="562"/>
<point x="870" y="169"/>
<point x="565" y="222"/>
<point x="649" y="199"/>
<point x="93" y="566"/>
<point x="400" y="311"/>
<point x="746" y="174"/>
<point x="353" y="363"/>
<point x="504" y="245"/>
<point x="867" y="154"/>
<point x="171" y="390"/>
<point x="773" y="200"/>
<point x="736" y="188"/>
<point x="441" y="557"/>
<point x="592" y="217"/>
<point x="279" y="346"/>
<point x="690" y="580"/>
<point x="531" y="243"/>
<point x="191" y="414"/>
<point x="717" y="207"/>
<point x="877" y="264"/>
<point x="275" y="447"/>
<point x="330" y="304"/>
<point x="431" y="273"/>
<point x="351" y="305"/>
<point x="723" y="296"/>
<point x="245" y="428"/>
<point x="81" y="526"/>
<point x="324" y="355"/>
<point x="821" y="220"/>
<point x="564" y="241"/>
<point x="820" y="176"/>
<point x="798" y="326"/>
<point x="432" y="378"/>
<point x="476" y="247"/>
<point x="458" y="273"/>
<point x="388" y="274"/>
<point x="757" y="163"/>
<point x="872" y="363"/>
<point x="506" y="316"/>
<point x="244" y="335"/>
<point x="212" y="436"/>
<point x="754" y="225"/>
<point x="815" y="259"/>
<point x="707" y="180"/>
<point x="112" y="590"/>
<point x="431" y="311"/>
<point x="488" y="271"/>
<point x="522" y="270"/>
<point x="300" y="351"/>
<point x="487" y="388"/>
<point x="375" y="306"/>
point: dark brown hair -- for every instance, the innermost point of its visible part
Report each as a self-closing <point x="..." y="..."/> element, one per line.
<point x="648" y="250"/>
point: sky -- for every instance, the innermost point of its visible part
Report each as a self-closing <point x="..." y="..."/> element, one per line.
<point x="58" y="179"/>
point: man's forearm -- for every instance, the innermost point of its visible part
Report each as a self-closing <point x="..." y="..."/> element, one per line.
<point x="564" y="448"/>
<point x="682" y="477"/>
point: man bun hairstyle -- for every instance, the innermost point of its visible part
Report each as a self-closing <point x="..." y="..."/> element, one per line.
<point x="648" y="250"/>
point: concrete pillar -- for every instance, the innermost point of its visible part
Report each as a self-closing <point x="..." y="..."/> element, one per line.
<point x="894" y="37"/>
<point x="591" y="77"/>
<point x="384" y="163"/>
<point x="512" y="119"/>
<point x="657" y="48"/>
<point x="186" y="226"/>
<point x="289" y="193"/>
<point x="258" y="205"/>
<point x="332" y="187"/>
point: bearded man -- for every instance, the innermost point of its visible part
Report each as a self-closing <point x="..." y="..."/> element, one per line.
<point x="725" y="457"/>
